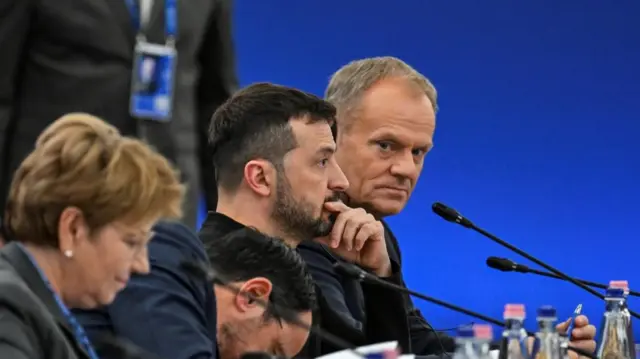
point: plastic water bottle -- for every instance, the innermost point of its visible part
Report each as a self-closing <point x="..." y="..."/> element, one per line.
<point x="465" y="343"/>
<point x="547" y="343"/>
<point x="624" y="285"/>
<point x="482" y="337"/>
<point x="514" y="336"/>
<point x="614" y="343"/>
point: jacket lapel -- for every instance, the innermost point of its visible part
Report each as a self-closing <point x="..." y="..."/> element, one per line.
<point x="22" y="264"/>
<point x="123" y="18"/>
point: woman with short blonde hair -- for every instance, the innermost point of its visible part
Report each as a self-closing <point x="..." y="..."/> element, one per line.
<point x="79" y="216"/>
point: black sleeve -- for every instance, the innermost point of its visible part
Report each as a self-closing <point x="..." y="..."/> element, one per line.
<point x="218" y="81"/>
<point x="17" y="340"/>
<point x="424" y="340"/>
<point x="387" y="312"/>
<point x="384" y="309"/>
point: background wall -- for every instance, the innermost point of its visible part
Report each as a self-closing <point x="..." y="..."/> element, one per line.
<point x="537" y="137"/>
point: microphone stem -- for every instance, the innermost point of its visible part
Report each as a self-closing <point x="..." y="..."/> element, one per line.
<point x="543" y="265"/>
<point x="551" y="275"/>
<point x="585" y="282"/>
<point x="455" y="308"/>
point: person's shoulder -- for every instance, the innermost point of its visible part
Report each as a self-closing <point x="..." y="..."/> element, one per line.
<point x="13" y="288"/>
<point x="18" y="298"/>
<point x="315" y="253"/>
<point x="173" y="240"/>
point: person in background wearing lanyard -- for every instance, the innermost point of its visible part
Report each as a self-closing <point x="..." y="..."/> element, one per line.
<point x="81" y="208"/>
<point x="83" y="56"/>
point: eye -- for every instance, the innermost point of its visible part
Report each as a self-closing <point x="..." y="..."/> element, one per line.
<point x="324" y="162"/>
<point x="418" y="152"/>
<point x="131" y="242"/>
<point x="384" y="145"/>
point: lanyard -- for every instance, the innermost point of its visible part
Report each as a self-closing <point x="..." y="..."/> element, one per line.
<point x="170" y="18"/>
<point x="78" y="331"/>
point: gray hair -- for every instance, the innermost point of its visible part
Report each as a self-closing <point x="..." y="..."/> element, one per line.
<point x="349" y="83"/>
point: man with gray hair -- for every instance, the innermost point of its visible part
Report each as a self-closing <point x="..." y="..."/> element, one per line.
<point x="386" y="122"/>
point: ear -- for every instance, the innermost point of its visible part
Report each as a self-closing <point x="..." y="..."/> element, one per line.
<point x="260" y="176"/>
<point x="258" y="288"/>
<point x="71" y="229"/>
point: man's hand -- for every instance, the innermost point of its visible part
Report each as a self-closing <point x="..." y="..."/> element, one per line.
<point x="582" y="336"/>
<point x="357" y="237"/>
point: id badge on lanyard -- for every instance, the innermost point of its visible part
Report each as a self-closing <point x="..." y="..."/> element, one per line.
<point x="154" y="68"/>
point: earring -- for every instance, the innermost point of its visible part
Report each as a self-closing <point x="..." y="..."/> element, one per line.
<point x="68" y="253"/>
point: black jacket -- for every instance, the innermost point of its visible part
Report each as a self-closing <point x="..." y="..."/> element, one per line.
<point x="77" y="56"/>
<point x="32" y="326"/>
<point x="385" y="310"/>
<point x="367" y="314"/>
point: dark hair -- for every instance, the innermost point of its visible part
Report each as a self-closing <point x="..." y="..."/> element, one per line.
<point x="247" y="253"/>
<point x="255" y="123"/>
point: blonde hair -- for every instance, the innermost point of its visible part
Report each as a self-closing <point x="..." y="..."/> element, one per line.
<point x="349" y="83"/>
<point x="81" y="161"/>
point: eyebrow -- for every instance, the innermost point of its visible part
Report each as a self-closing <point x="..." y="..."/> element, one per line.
<point x="326" y="150"/>
<point x="392" y="137"/>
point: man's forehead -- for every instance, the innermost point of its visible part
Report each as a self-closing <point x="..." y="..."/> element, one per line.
<point x="395" y="105"/>
<point x="313" y="134"/>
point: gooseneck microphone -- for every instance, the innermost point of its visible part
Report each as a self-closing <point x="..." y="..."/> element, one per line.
<point x="201" y="270"/>
<point x="507" y="265"/>
<point x="353" y="271"/>
<point x="358" y="273"/>
<point x="451" y="215"/>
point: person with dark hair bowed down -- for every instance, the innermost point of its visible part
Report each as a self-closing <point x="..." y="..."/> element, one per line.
<point x="276" y="171"/>
<point x="266" y="269"/>
<point x="386" y="123"/>
<point x="79" y="216"/>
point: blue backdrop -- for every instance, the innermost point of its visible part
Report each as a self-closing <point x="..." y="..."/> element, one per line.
<point x="536" y="139"/>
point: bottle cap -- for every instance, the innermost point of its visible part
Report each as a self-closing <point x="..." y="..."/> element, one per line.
<point x="547" y="311"/>
<point x="514" y="311"/>
<point x="622" y="284"/>
<point x="465" y="331"/>
<point x="615" y="293"/>
<point x="483" y="331"/>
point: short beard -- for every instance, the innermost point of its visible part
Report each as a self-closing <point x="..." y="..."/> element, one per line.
<point x="295" y="218"/>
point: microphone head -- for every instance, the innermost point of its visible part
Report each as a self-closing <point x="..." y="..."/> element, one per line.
<point x="449" y="214"/>
<point x="502" y="264"/>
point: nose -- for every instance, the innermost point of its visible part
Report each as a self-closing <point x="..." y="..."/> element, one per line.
<point x="404" y="165"/>
<point x="140" y="263"/>
<point x="338" y="182"/>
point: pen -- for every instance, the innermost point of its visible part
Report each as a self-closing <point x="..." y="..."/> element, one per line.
<point x="576" y="313"/>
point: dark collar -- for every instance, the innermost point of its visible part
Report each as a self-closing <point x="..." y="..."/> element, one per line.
<point x="219" y="224"/>
<point x="19" y="260"/>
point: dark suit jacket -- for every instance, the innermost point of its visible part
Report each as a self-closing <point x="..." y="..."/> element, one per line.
<point x="32" y="326"/>
<point x="76" y="56"/>
<point x="384" y="309"/>
<point x="167" y="312"/>
<point x="350" y="300"/>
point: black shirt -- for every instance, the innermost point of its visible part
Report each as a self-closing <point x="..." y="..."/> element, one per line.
<point x="384" y="310"/>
